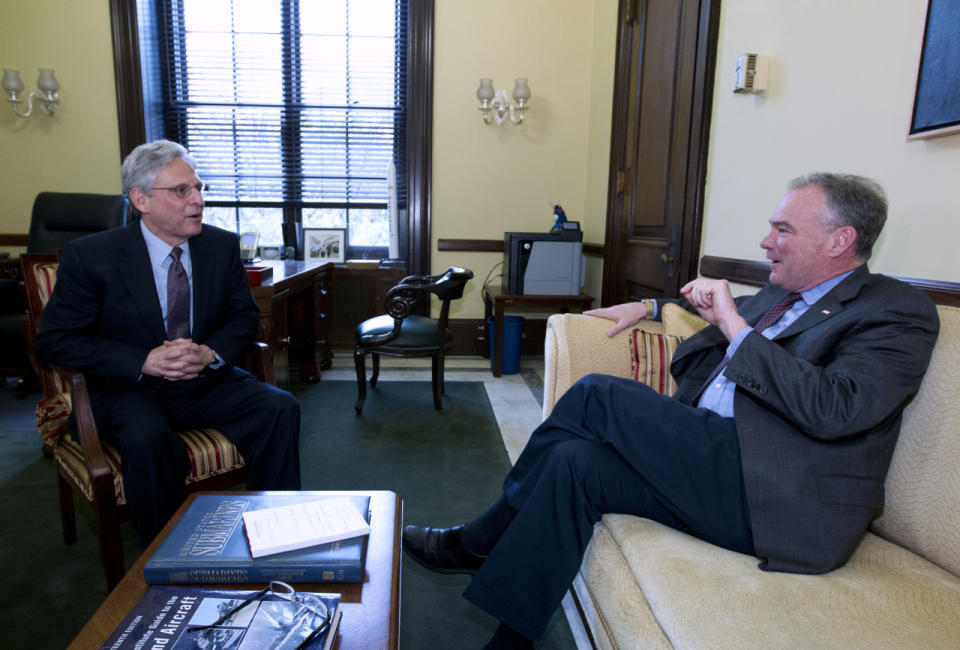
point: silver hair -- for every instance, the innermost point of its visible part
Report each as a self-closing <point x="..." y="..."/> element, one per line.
<point x="141" y="167"/>
<point x="854" y="201"/>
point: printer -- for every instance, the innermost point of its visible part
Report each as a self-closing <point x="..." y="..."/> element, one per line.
<point x="543" y="263"/>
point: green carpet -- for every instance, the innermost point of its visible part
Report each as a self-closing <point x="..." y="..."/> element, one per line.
<point x="447" y="466"/>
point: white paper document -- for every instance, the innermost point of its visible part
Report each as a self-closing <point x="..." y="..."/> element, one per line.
<point x="288" y="528"/>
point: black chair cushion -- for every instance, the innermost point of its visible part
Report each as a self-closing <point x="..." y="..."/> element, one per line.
<point x="416" y="332"/>
<point x="59" y="217"/>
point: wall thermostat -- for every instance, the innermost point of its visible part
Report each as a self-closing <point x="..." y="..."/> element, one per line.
<point x="751" y="74"/>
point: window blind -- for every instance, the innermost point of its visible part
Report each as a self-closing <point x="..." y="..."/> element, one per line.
<point x="299" y="104"/>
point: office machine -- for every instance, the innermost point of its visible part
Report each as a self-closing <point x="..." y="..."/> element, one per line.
<point x="541" y="263"/>
<point x="248" y="246"/>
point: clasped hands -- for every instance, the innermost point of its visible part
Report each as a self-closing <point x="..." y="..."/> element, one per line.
<point x="178" y="360"/>
<point x="711" y="298"/>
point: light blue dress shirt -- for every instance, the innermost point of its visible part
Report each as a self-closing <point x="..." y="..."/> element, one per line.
<point x="160" y="261"/>
<point x="718" y="396"/>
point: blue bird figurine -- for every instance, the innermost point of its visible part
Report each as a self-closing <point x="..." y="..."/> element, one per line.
<point x="559" y="217"/>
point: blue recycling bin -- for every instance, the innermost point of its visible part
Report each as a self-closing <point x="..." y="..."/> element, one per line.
<point x="512" y="336"/>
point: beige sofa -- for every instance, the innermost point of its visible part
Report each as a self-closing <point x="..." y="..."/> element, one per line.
<point x="643" y="585"/>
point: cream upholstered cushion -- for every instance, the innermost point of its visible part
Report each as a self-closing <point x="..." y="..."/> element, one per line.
<point x="922" y="510"/>
<point x="668" y="587"/>
<point x="585" y="349"/>
<point x="679" y="322"/>
<point x="612" y="600"/>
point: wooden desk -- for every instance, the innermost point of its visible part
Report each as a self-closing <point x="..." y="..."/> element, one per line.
<point x="358" y="295"/>
<point x="295" y="317"/>
<point x="371" y="610"/>
<point x="502" y="301"/>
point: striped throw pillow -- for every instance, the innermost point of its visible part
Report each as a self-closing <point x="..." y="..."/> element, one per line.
<point x="650" y="356"/>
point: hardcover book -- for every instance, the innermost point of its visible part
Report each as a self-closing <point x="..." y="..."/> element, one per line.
<point x="208" y="546"/>
<point x="192" y="617"/>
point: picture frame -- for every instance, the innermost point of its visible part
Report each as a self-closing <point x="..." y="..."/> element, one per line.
<point x="322" y="245"/>
<point x="936" y="104"/>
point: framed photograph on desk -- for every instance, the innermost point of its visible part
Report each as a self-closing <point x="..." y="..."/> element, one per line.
<point x="322" y="245"/>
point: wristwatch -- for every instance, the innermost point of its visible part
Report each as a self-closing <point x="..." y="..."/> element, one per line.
<point x="651" y="306"/>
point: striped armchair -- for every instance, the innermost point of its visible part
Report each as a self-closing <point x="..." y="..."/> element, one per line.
<point x="91" y="467"/>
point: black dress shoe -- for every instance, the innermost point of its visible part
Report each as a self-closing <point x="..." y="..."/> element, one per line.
<point x="440" y="549"/>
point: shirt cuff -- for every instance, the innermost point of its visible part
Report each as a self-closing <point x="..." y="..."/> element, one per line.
<point x="737" y="340"/>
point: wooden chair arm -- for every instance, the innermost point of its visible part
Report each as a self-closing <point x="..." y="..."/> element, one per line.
<point x="259" y="361"/>
<point x="100" y="474"/>
<point x="399" y="303"/>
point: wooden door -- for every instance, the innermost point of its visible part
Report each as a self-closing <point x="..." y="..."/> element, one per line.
<point x="666" y="51"/>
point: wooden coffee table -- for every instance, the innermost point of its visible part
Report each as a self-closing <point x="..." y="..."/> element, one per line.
<point x="371" y="609"/>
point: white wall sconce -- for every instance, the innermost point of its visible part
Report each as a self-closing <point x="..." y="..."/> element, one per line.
<point x="47" y="91"/>
<point x="495" y="105"/>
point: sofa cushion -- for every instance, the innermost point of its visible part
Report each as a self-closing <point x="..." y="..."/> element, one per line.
<point x="922" y="508"/>
<point x="650" y="356"/>
<point x="702" y="596"/>
<point x="679" y="322"/>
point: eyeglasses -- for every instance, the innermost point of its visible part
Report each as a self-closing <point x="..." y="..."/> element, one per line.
<point x="183" y="190"/>
<point x="308" y="617"/>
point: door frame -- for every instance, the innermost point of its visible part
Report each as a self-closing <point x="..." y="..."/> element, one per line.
<point x="696" y="169"/>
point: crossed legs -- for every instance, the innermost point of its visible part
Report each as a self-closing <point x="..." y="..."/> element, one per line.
<point x="610" y="446"/>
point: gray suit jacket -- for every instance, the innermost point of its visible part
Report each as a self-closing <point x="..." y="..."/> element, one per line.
<point x="818" y="411"/>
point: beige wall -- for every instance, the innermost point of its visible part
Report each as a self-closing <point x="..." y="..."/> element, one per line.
<point x="492" y="179"/>
<point x="842" y="79"/>
<point x="77" y="149"/>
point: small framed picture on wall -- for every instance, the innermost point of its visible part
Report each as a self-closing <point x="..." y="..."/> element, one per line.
<point x="322" y="245"/>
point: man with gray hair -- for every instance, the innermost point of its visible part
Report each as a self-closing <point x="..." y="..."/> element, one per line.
<point x="776" y="443"/>
<point x="156" y="313"/>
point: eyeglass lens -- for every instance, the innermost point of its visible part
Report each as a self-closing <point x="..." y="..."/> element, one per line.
<point x="183" y="191"/>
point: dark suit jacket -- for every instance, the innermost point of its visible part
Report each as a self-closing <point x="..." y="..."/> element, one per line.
<point x="104" y="315"/>
<point x="818" y="411"/>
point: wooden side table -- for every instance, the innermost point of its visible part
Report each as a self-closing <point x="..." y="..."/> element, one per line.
<point x="502" y="301"/>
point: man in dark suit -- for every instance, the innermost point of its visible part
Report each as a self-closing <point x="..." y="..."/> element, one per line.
<point x="156" y="314"/>
<point x="776" y="443"/>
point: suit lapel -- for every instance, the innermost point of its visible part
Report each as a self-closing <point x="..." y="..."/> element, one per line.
<point x="134" y="269"/>
<point x="830" y="304"/>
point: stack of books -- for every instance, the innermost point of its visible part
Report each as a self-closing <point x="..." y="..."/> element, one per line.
<point x="227" y="539"/>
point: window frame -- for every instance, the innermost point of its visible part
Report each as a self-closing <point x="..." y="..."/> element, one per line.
<point x="133" y="130"/>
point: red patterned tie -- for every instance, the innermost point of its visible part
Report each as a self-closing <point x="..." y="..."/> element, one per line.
<point x="772" y="316"/>
<point x="178" y="298"/>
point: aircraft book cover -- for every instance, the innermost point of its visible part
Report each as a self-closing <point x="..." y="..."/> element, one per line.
<point x="197" y="617"/>
<point x="209" y="546"/>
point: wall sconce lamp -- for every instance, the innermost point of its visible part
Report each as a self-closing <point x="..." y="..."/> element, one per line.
<point x="495" y="105"/>
<point x="47" y="87"/>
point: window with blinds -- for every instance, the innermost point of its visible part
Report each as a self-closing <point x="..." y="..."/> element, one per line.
<point x="293" y="109"/>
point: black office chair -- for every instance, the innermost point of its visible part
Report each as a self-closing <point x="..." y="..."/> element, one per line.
<point x="401" y="333"/>
<point x="57" y="218"/>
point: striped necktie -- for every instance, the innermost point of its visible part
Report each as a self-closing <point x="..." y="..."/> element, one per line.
<point x="178" y="298"/>
<point x="772" y="316"/>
